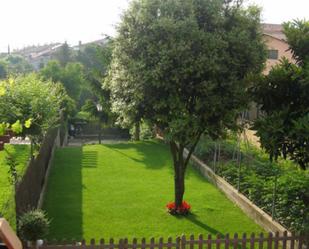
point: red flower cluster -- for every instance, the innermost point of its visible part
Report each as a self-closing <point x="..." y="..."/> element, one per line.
<point x="183" y="209"/>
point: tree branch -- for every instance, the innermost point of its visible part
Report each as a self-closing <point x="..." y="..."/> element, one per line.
<point x="192" y="149"/>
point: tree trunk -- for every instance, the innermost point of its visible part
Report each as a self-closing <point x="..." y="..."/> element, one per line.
<point x="137" y="131"/>
<point x="179" y="172"/>
<point x="179" y="180"/>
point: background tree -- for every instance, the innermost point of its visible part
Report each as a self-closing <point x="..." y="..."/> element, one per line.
<point x="64" y="54"/>
<point x="96" y="60"/>
<point x="34" y="103"/>
<point x="184" y="63"/>
<point x="71" y="76"/>
<point x="16" y="64"/>
<point x="283" y="97"/>
<point x="3" y="69"/>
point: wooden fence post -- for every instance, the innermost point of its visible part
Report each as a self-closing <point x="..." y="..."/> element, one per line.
<point x="244" y="241"/>
<point x="209" y="241"/>
<point x="252" y="240"/>
<point x="227" y="241"/>
<point x="218" y="241"/>
<point x="178" y="240"/>
<point x="292" y="242"/>
<point x="200" y="241"/>
<point x="134" y="243"/>
<point x="143" y="245"/>
<point x="161" y="242"/>
<point x="152" y="243"/>
<point x="169" y="242"/>
<point x="235" y="241"/>
<point x="261" y="241"/>
<point x="183" y="242"/>
<point x="102" y="242"/>
<point x="270" y="241"/>
<point x="191" y="241"/>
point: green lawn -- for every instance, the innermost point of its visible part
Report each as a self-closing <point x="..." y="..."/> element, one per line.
<point x="120" y="190"/>
<point x="7" y="201"/>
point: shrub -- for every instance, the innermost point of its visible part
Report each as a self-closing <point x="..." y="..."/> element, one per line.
<point x="33" y="225"/>
<point x="257" y="181"/>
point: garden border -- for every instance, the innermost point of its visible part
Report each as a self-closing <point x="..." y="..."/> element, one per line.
<point x="253" y="211"/>
<point x="57" y="143"/>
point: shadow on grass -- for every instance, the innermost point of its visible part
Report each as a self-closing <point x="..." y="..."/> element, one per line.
<point x="89" y="159"/>
<point x="196" y="221"/>
<point x="63" y="200"/>
<point x="150" y="153"/>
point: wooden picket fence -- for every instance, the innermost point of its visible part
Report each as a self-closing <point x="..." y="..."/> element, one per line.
<point x="270" y="241"/>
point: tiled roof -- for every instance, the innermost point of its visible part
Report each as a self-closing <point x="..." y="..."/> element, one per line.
<point x="275" y="30"/>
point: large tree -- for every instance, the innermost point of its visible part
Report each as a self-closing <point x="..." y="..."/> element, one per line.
<point x="183" y="63"/>
<point x="283" y="98"/>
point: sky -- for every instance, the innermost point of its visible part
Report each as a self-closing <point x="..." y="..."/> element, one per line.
<point x="33" y="22"/>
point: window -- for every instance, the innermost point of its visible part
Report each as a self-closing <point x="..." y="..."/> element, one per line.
<point x="273" y="54"/>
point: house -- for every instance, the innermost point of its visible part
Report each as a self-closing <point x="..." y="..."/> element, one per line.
<point x="277" y="45"/>
<point x="277" y="48"/>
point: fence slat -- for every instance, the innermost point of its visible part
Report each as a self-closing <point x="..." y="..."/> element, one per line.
<point x="292" y="241"/>
<point x="191" y="241"/>
<point x="161" y="242"/>
<point x="111" y="243"/>
<point x="208" y="241"/>
<point x="284" y="239"/>
<point x="169" y="242"/>
<point x="143" y="243"/>
<point x="218" y="241"/>
<point x="227" y="241"/>
<point x="102" y="242"/>
<point x="152" y="243"/>
<point x="125" y="243"/>
<point x="235" y="241"/>
<point x="183" y="242"/>
<point x="178" y="241"/>
<point x="134" y="243"/>
<point x="244" y="241"/>
<point x="252" y="239"/>
<point x="270" y="241"/>
<point x="261" y="241"/>
<point x="276" y="240"/>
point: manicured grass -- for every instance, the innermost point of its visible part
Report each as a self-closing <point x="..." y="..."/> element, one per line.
<point x="120" y="190"/>
<point x="7" y="201"/>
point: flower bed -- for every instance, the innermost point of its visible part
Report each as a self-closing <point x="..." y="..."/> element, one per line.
<point x="182" y="210"/>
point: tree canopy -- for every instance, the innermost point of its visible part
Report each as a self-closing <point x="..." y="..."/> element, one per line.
<point x="181" y="65"/>
<point x="283" y="98"/>
<point x="31" y="104"/>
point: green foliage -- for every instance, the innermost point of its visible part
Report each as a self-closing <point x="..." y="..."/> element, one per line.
<point x="31" y="105"/>
<point x="283" y="97"/>
<point x="12" y="164"/>
<point x="33" y="225"/>
<point x="71" y="76"/>
<point x="257" y="178"/>
<point x="146" y="131"/>
<point x="64" y="54"/>
<point x="16" y="65"/>
<point x="20" y="153"/>
<point x="96" y="60"/>
<point x="3" y="69"/>
<point x="297" y="33"/>
<point x="181" y="64"/>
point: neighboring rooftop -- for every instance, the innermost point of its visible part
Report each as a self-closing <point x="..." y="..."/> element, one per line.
<point x="274" y="30"/>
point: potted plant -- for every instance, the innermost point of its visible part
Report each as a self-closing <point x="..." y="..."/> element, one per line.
<point x="33" y="226"/>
